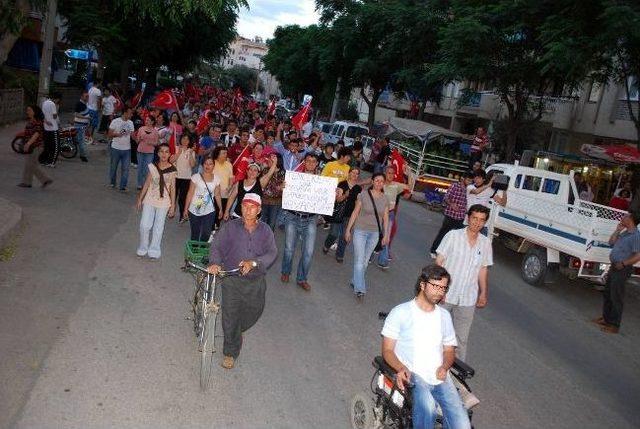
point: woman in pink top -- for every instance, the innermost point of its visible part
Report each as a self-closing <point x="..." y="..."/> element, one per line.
<point x="148" y="139"/>
<point x="175" y="125"/>
<point x="156" y="201"/>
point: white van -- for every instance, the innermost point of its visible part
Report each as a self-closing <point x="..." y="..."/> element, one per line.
<point x="545" y="219"/>
<point x="345" y="131"/>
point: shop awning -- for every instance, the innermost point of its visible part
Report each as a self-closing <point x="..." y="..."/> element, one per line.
<point x="622" y="154"/>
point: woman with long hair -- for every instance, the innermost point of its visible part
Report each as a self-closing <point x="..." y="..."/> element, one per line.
<point x="184" y="159"/>
<point x="224" y="171"/>
<point x="156" y="201"/>
<point x="254" y="183"/>
<point x="148" y="139"/>
<point x="175" y="127"/>
<point x="370" y="224"/>
<point x="202" y="198"/>
<point x="272" y="195"/>
<point x="33" y="133"/>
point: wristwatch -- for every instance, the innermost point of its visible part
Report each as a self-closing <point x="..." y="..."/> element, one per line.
<point x="254" y="264"/>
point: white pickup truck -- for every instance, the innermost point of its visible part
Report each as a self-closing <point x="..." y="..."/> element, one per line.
<point x="545" y="220"/>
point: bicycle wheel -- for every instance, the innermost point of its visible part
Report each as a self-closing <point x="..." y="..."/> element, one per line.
<point x="68" y="148"/>
<point x="18" y="145"/>
<point x="208" y="348"/>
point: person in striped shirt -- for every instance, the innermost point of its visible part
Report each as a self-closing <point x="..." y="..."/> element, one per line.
<point x="454" y="213"/>
<point x="81" y="120"/>
<point x="466" y="255"/>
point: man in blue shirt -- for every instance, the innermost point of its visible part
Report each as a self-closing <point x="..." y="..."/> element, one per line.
<point x="625" y="253"/>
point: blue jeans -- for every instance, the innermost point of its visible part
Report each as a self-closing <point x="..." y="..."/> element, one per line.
<point x="363" y="244"/>
<point x="94" y="117"/>
<point x="304" y="228"/>
<point x="270" y="213"/>
<point x="82" y="148"/>
<point x="383" y="257"/>
<point x="342" y="245"/>
<point x="144" y="159"/>
<point x="425" y="396"/>
<point x="335" y="233"/>
<point x="122" y="157"/>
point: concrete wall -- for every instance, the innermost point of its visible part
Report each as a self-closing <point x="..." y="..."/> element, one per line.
<point x="11" y="105"/>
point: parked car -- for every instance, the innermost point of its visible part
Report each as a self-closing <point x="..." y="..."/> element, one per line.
<point x="345" y="131"/>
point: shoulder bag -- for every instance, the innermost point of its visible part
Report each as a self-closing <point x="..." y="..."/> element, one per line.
<point x="380" y="234"/>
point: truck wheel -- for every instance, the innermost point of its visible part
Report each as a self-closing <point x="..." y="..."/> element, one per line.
<point x="534" y="266"/>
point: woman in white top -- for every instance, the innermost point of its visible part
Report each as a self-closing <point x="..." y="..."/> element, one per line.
<point x="204" y="189"/>
<point x="184" y="159"/>
<point x="224" y="171"/>
<point x="156" y="200"/>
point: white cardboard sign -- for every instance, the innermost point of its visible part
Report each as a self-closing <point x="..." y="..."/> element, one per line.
<point x="309" y="193"/>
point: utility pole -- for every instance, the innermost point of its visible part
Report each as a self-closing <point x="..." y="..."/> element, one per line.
<point x="47" y="50"/>
<point x="336" y="99"/>
<point x="258" y="78"/>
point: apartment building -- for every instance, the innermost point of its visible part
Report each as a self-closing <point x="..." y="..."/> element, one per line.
<point x="249" y="52"/>
<point x="595" y="114"/>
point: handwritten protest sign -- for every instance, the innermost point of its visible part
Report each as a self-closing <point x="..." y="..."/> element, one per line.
<point x="309" y="193"/>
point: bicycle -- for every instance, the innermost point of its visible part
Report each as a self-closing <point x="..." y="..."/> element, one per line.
<point x="206" y="307"/>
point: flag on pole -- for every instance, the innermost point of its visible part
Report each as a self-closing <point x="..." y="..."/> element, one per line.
<point x="398" y="163"/>
<point x="135" y="100"/>
<point x="165" y="100"/>
<point x="301" y="118"/>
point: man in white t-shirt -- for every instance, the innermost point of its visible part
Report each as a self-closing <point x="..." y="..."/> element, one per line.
<point x="49" y="155"/>
<point x="419" y="342"/>
<point x="93" y="103"/>
<point x="108" y="108"/>
<point x="120" y="131"/>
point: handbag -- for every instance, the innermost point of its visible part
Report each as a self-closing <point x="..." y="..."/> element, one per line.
<point x="375" y="211"/>
<point x="209" y="192"/>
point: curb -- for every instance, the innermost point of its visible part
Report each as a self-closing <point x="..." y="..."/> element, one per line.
<point x="12" y="217"/>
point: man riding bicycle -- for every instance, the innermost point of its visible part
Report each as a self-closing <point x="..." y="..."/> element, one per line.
<point x="419" y="342"/>
<point x="247" y="243"/>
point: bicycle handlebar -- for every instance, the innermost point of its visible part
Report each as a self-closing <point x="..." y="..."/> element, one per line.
<point x="220" y="273"/>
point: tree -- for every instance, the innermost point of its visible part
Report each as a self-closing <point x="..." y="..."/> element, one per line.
<point x="386" y="44"/>
<point x="243" y="77"/>
<point x="502" y="42"/>
<point x="126" y="32"/>
<point x="12" y="20"/>
<point x="293" y="61"/>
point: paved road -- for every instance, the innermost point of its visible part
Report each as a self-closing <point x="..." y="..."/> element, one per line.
<point x="92" y="337"/>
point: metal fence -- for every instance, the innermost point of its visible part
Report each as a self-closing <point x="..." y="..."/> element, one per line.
<point x="11" y="105"/>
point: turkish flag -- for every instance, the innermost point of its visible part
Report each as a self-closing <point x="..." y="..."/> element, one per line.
<point x="135" y="100"/>
<point x="119" y="104"/>
<point x="165" y="100"/>
<point x="398" y="162"/>
<point x="301" y="118"/>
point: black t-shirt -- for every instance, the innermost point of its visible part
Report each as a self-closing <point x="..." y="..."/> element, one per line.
<point x="384" y="154"/>
<point x="350" y="202"/>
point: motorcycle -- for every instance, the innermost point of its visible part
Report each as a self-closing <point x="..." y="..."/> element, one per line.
<point x="66" y="139"/>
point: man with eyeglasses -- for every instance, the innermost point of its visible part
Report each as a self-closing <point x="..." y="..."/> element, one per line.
<point x="419" y="342"/>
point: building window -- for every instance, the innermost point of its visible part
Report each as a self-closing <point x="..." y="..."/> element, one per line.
<point x="633" y="84"/>
<point x="594" y="93"/>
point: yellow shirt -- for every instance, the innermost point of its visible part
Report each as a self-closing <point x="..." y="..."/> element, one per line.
<point x="336" y="169"/>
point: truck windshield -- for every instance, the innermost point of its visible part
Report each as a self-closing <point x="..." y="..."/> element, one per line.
<point x="353" y="132"/>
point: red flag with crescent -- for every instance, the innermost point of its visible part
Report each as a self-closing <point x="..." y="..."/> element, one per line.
<point x="135" y="100"/>
<point x="301" y="118"/>
<point x="165" y="100"/>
